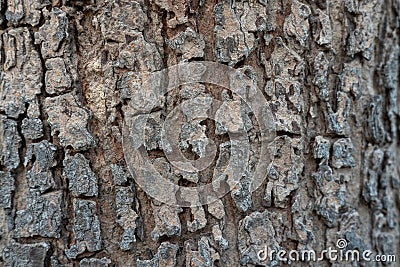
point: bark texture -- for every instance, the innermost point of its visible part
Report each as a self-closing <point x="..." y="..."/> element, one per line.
<point x="329" y="71"/>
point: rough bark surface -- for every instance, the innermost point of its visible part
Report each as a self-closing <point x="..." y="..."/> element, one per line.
<point x="329" y="71"/>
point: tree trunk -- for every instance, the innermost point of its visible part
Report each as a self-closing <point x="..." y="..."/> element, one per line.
<point x="86" y="131"/>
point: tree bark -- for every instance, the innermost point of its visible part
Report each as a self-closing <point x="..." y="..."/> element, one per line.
<point x="74" y="78"/>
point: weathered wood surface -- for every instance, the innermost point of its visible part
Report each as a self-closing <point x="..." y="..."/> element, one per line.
<point x="329" y="71"/>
